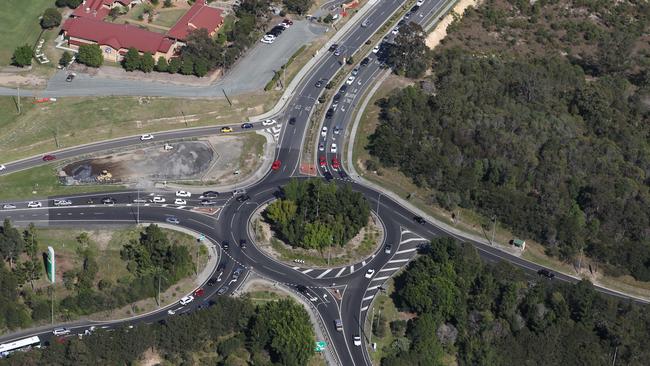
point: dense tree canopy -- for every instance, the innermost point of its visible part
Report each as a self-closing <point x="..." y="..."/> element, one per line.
<point x="298" y="6"/>
<point x="313" y="214"/>
<point x="409" y="55"/>
<point x="555" y="146"/>
<point x="23" y="56"/>
<point x="495" y="315"/>
<point x="51" y="18"/>
<point x="90" y="55"/>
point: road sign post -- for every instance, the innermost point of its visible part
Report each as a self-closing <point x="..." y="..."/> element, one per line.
<point x="50" y="265"/>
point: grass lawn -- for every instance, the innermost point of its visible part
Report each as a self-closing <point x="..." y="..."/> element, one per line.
<point x="19" y="24"/>
<point x="383" y="305"/>
<point x="169" y="17"/>
<point x="41" y="182"/>
<point x="79" y="120"/>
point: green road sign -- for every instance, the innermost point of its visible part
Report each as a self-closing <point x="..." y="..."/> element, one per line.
<point x="50" y="265"/>
<point x="320" y="346"/>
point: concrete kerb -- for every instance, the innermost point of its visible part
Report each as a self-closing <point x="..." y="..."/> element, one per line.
<point x="320" y="329"/>
<point x="269" y="157"/>
<point x="201" y="278"/>
<point x="320" y="54"/>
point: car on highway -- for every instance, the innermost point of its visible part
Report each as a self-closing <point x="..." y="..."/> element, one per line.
<point x="329" y="113"/>
<point x="375" y="49"/>
<point x="320" y="83"/>
<point x="350" y="80"/>
<point x="139" y="200"/>
<point x="337" y="52"/>
<point x="180" y="201"/>
<point x="388" y="248"/>
<point x="225" y="245"/>
<point x="242" y="243"/>
<point x="337" y="130"/>
<point x="173" y="220"/>
<point x="292" y="121"/>
<point x="60" y="202"/>
<point x="34" y="204"/>
<point x="365" y="23"/>
<point x="355" y="71"/>
<point x="328" y="176"/>
<point x="322" y="161"/>
<point x="226" y="129"/>
<point x="305" y="291"/>
<point x="357" y="340"/>
<point x="186" y="299"/>
<point x="420" y="220"/>
<point x="213" y="281"/>
<point x="419" y="2"/>
<point x="171" y="311"/>
<point x="276" y="165"/>
<point x="2" y="167"/>
<point x="333" y="47"/>
<point x="108" y="200"/>
<point x="333" y="148"/>
<point x="268" y="122"/>
<point x="208" y="202"/>
<point x="243" y="198"/>
<point x="238" y="191"/>
<point x="70" y="77"/>
<point x="336" y="164"/>
<point x="146" y="137"/>
<point x="365" y="61"/>
<point x="209" y="194"/>
<point x="158" y="199"/>
<point x="321" y="147"/>
<point x="546" y="273"/>
<point x="199" y="292"/>
<point x="246" y="125"/>
<point x="369" y="273"/>
<point x="61" y="331"/>
<point x="222" y="290"/>
<point x="8" y="206"/>
<point x="323" y="131"/>
<point x="342" y="174"/>
<point x="184" y="194"/>
<point x="237" y="273"/>
<point x="49" y="157"/>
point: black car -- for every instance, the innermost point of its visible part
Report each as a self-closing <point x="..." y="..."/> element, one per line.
<point x="319" y="83"/>
<point x="415" y="8"/>
<point x="401" y="23"/>
<point x="329" y="113"/>
<point x="337" y="97"/>
<point x="242" y="243"/>
<point x="247" y="125"/>
<point x="301" y="288"/>
<point x="237" y="273"/>
<point x="292" y="120"/>
<point x="221" y="267"/>
<point x="328" y="176"/>
<point x="212" y="282"/>
<point x="208" y="202"/>
<point x="365" y="61"/>
<point x="546" y="273"/>
<point x="210" y="194"/>
<point x="225" y="245"/>
<point x="333" y="47"/>
<point x="419" y="220"/>
<point x="69" y="77"/>
<point x="108" y="200"/>
<point x="342" y="174"/>
<point x="243" y="198"/>
<point x="344" y="87"/>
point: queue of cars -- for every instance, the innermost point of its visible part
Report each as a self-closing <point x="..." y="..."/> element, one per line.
<point x="275" y="32"/>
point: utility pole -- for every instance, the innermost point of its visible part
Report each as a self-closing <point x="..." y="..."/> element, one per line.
<point x="226" y="95"/>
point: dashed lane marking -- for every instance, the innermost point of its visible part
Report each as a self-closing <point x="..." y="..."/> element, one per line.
<point x="324" y="273"/>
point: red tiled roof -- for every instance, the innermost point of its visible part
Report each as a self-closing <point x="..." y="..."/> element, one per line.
<point x="93" y="9"/>
<point x="117" y="35"/>
<point x="199" y="16"/>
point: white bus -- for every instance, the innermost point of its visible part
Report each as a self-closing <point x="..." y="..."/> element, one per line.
<point x="21" y="344"/>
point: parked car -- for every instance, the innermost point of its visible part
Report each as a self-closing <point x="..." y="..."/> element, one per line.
<point x="183" y="194"/>
<point x="70" y="77"/>
<point x="49" y="157"/>
<point x="186" y="300"/>
<point x="375" y="49"/>
<point x="2" y="167"/>
<point x="173" y="220"/>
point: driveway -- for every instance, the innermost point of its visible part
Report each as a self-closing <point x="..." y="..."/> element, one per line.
<point x="251" y="73"/>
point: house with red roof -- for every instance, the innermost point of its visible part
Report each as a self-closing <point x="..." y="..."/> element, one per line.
<point x="116" y="39"/>
<point x="99" y="9"/>
<point x="200" y="16"/>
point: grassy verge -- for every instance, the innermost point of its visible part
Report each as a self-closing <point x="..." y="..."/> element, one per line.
<point x="168" y="17"/>
<point x="77" y="120"/>
<point x="20" y="24"/>
<point x="383" y="307"/>
<point x="41" y="182"/>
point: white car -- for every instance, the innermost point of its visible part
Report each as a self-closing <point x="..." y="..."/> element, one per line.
<point x="375" y="49"/>
<point x="2" y="167"/>
<point x="357" y="340"/>
<point x="180" y="201"/>
<point x="158" y="199"/>
<point x="350" y="80"/>
<point x="186" y="300"/>
<point x="333" y="148"/>
<point x="323" y="132"/>
<point x="268" y="39"/>
<point x="337" y="130"/>
<point x="268" y="122"/>
<point x="395" y="31"/>
<point x="321" y="147"/>
<point x="61" y="331"/>
<point x="183" y="194"/>
<point x="146" y="137"/>
<point x="370" y="273"/>
<point x="419" y="2"/>
<point x="62" y="202"/>
<point x="171" y="312"/>
<point x="8" y="206"/>
<point x="34" y="204"/>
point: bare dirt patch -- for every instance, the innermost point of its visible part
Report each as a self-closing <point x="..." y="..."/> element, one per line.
<point x="440" y="31"/>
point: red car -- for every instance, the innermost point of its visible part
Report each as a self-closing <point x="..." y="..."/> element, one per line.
<point x="199" y="292"/>
<point x="335" y="163"/>
<point x="49" y="157"/>
<point x="322" y="161"/>
<point x="276" y="165"/>
<point x="287" y="21"/>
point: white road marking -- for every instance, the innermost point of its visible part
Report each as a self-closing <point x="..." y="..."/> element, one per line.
<point x="388" y="269"/>
<point x="324" y="273"/>
<point x="406" y="251"/>
<point x="296" y="268"/>
<point x="380" y="278"/>
<point x="363" y="263"/>
<point x="352" y="268"/>
<point x="368" y="298"/>
<point x="412" y="239"/>
<point x="364" y="308"/>
<point x="399" y="260"/>
<point x="373" y="288"/>
<point x="307" y="270"/>
<point x="341" y="271"/>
